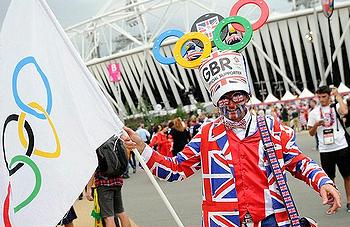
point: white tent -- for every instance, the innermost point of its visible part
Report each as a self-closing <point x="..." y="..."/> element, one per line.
<point x="288" y="96"/>
<point x="306" y="94"/>
<point x="254" y="101"/>
<point x="271" y="99"/>
<point x="343" y="88"/>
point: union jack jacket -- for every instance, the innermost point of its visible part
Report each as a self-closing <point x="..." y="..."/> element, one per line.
<point x="208" y="151"/>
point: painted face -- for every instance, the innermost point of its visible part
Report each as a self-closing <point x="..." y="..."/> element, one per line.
<point x="232" y="105"/>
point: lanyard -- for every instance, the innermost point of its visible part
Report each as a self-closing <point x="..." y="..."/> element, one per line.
<point x="248" y="127"/>
<point x="328" y="123"/>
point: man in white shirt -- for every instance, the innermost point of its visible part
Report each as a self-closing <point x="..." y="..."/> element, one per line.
<point x="143" y="133"/>
<point x="332" y="144"/>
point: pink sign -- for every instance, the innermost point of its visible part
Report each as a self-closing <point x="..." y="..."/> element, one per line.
<point x="114" y="72"/>
<point x="328" y="7"/>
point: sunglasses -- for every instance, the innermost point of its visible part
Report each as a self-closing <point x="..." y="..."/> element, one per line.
<point x="235" y="97"/>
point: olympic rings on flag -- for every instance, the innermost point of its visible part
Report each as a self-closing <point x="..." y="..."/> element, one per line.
<point x="192" y="36"/>
<point x="264" y="8"/>
<point x="30" y="146"/>
<point x="32" y="109"/>
<point x="248" y="33"/>
<point x="23" y="140"/>
<point x="25" y="159"/>
<point x="24" y="107"/>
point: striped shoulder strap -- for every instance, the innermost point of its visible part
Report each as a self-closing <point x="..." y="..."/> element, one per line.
<point x="282" y="186"/>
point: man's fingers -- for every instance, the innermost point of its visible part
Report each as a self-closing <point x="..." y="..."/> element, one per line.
<point x="333" y="209"/>
<point x="324" y="197"/>
<point x="129" y="131"/>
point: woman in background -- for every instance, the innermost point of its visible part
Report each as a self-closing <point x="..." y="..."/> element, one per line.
<point x="181" y="136"/>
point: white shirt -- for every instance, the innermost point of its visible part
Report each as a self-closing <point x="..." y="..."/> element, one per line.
<point x="339" y="135"/>
<point x="241" y="132"/>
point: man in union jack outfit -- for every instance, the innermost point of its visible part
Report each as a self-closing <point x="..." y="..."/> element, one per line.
<point x="238" y="185"/>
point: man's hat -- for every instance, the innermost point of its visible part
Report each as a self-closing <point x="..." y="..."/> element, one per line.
<point x="222" y="72"/>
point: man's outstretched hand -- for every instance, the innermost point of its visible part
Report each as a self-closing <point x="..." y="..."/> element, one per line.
<point x="331" y="196"/>
<point x="132" y="140"/>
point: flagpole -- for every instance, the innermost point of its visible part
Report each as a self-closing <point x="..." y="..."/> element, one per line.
<point x="159" y="190"/>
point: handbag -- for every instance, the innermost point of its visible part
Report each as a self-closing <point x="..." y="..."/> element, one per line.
<point x="269" y="149"/>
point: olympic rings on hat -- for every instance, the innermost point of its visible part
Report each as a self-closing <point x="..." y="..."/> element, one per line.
<point x="190" y="36"/>
<point x="248" y="33"/>
<point x="263" y="17"/>
<point x="158" y="42"/>
<point x="239" y="23"/>
<point x="24" y="107"/>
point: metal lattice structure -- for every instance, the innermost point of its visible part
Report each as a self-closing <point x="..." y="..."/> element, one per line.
<point x="290" y="53"/>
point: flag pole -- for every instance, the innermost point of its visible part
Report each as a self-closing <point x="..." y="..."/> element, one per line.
<point x="159" y="190"/>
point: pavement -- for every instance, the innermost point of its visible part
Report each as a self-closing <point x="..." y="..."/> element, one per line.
<point x="145" y="207"/>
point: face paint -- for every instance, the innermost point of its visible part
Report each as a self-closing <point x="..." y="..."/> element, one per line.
<point x="232" y="106"/>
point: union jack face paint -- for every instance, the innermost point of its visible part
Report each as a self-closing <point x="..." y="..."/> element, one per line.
<point x="232" y="105"/>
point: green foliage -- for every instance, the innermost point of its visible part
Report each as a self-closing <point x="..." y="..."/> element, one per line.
<point x="149" y="120"/>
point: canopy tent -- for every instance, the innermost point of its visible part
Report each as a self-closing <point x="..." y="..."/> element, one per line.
<point x="288" y="97"/>
<point x="305" y="94"/>
<point x="270" y="99"/>
<point x="343" y="88"/>
<point x="254" y="101"/>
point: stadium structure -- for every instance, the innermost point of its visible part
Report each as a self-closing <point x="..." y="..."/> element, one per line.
<point x="290" y="53"/>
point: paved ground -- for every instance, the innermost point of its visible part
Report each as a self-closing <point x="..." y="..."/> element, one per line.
<point x="145" y="207"/>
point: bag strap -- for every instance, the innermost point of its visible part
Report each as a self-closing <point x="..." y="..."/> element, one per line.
<point x="282" y="186"/>
<point x="340" y="120"/>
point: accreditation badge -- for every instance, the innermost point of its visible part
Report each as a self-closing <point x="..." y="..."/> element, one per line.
<point x="328" y="136"/>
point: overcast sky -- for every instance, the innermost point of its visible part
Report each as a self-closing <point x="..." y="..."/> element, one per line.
<point x="73" y="11"/>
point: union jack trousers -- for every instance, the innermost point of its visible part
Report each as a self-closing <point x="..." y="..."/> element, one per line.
<point x="207" y="152"/>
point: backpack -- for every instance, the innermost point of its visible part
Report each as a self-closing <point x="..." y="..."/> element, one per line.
<point x="112" y="158"/>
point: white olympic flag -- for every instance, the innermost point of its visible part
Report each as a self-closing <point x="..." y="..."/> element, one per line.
<point x="53" y="117"/>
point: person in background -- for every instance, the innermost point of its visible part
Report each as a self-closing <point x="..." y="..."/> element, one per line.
<point x="194" y="125"/>
<point x="162" y="141"/>
<point x="109" y="199"/>
<point x="143" y="133"/>
<point x="68" y="218"/>
<point x="332" y="145"/>
<point x="180" y="135"/>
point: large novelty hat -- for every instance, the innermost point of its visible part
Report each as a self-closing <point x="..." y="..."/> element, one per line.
<point x="222" y="72"/>
<point x="213" y="45"/>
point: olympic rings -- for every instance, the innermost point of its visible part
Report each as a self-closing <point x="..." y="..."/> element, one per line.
<point x="29" y="145"/>
<point x="27" y="160"/>
<point x="264" y="8"/>
<point x="24" y="141"/>
<point x="158" y="42"/>
<point x="179" y="44"/>
<point x="25" y="108"/>
<point x="248" y="34"/>
<point x="207" y="22"/>
<point x="14" y="117"/>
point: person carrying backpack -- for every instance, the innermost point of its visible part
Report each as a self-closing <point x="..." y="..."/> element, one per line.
<point x="112" y="163"/>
